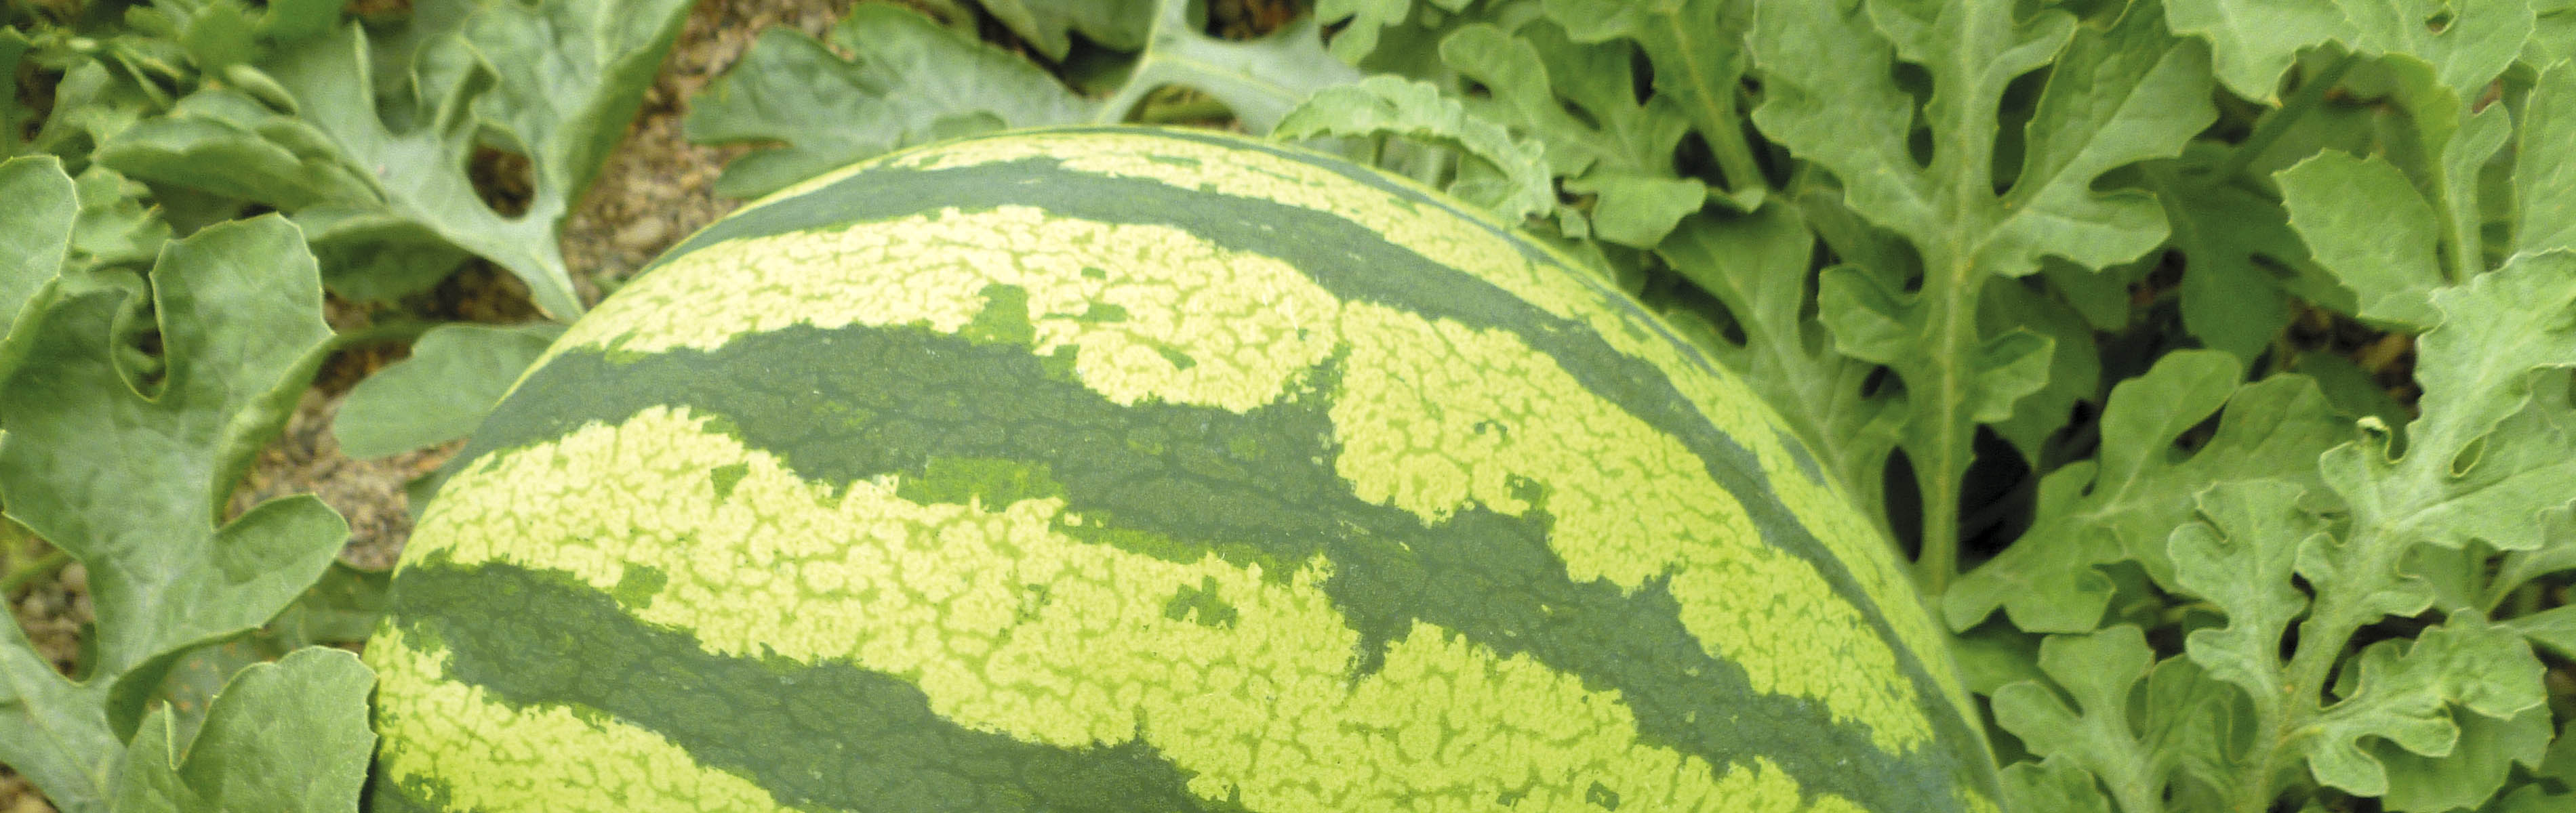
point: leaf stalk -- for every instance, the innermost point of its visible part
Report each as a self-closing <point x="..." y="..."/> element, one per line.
<point x="2312" y="93"/>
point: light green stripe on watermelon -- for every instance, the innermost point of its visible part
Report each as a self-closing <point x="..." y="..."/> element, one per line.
<point x="1427" y="432"/>
<point x="1376" y="207"/>
<point x="1248" y="324"/>
<point x="1010" y="625"/>
<point x="521" y="759"/>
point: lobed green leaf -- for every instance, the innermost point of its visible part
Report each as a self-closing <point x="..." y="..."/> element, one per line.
<point x="238" y="311"/>
<point x="908" y="81"/>
<point x="1047" y="25"/>
<point x="1758" y="266"/>
<point x="2115" y="96"/>
<point x="2402" y="692"/>
<point x="2240" y="556"/>
<point x="1514" y="180"/>
<point x="2544" y="170"/>
<point x="455" y="374"/>
<point x="389" y="204"/>
<point x="1257" y="80"/>
<point x="284" y="737"/>
<point x="2255" y="42"/>
<point x="2124" y="504"/>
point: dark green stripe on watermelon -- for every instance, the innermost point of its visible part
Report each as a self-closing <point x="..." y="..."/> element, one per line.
<point x="819" y="736"/>
<point x="1171" y="478"/>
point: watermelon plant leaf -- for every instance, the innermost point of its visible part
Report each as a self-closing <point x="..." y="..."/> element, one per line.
<point x="1634" y="209"/>
<point x="909" y="80"/>
<point x="238" y="311"/>
<point x="1867" y="313"/>
<point x="1619" y="149"/>
<point x="1757" y="266"/>
<point x="289" y="736"/>
<point x="2067" y="370"/>
<point x="2556" y="554"/>
<point x="115" y="225"/>
<point x="2009" y="365"/>
<point x="2099" y="671"/>
<point x="2114" y="97"/>
<point x="567" y="77"/>
<point x="2465" y="474"/>
<point x="912" y="81"/>
<point x="2237" y="245"/>
<point x="2553" y="629"/>
<point x="2494" y="379"/>
<point x="2055" y="784"/>
<point x="1257" y="80"/>
<point x="2463" y="160"/>
<point x="1513" y="181"/>
<point x="2475" y="768"/>
<point x="2544" y="170"/>
<point x="224" y="139"/>
<point x="2557" y="768"/>
<point x="2252" y="42"/>
<point x="52" y="731"/>
<point x="2402" y="693"/>
<point x="2138" y="725"/>
<point x="2123" y="504"/>
<point x="2194" y="724"/>
<point x="1047" y="25"/>
<point x="14" y="114"/>
<point x="49" y="731"/>
<point x="455" y="374"/>
<point x="2553" y="33"/>
<point x="2240" y="556"/>
<point x="1697" y="52"/>
<point x="342" y="608"/>
<point x="36" y="241"/>
<point x="2255" y="41"/>
<point x="357" y="183"/>
<point x="1361" y="21"/>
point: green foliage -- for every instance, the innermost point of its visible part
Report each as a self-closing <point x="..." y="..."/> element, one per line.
<point x="455" y="374"/>
<point x="2121" y="504"/>
<point x="1942" y="219"/>
<point x="237" y="309"/>
<point x="363" y="136"/>
<point x="307" y="710"/>
<point x="1257" y="81"/>
<point x="140" y="374"/>
<point x="1505" y="175"/>
<point x="910" y="81"/>
<point x="2243" y="572"/>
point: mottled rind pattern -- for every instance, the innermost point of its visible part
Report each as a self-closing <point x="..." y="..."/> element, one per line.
<point x="932" y="520"/>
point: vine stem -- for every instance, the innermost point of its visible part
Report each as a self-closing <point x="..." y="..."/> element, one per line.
<point x="1937" y="476"/>
<point x="2311" y="94"/>
<point x="1953" y="276"/>
<point x="1720" y="111"/>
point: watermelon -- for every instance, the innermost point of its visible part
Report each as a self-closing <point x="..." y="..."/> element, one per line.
<point x="1122" y="469"/>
